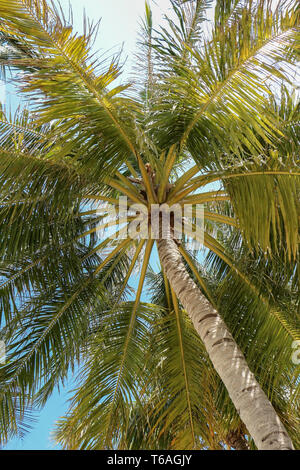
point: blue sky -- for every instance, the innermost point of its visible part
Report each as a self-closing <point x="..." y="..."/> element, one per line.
<point x="119" y="27"/>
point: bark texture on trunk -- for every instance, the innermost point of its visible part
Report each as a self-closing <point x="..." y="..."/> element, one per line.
<point x="237" y="441"/>
<point x="252" y="404"/>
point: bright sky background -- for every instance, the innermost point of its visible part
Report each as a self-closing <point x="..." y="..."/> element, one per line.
<point x="119" y="26"/>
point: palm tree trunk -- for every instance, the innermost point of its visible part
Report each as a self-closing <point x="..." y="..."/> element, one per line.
<point x="252" y="404"/>
<point x="237" y="441"/>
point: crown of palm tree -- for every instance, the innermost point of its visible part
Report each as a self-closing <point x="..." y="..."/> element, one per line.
<point x="212" y="121"/>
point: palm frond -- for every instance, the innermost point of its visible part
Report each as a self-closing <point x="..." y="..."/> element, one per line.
<point x="63" y="65"/>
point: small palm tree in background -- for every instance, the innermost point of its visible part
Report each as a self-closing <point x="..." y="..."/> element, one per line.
<point x="210" y="120"/>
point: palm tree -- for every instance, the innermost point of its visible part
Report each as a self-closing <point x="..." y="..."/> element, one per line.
<point x="167" y="412"/>
<point x="204" y="127"/>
